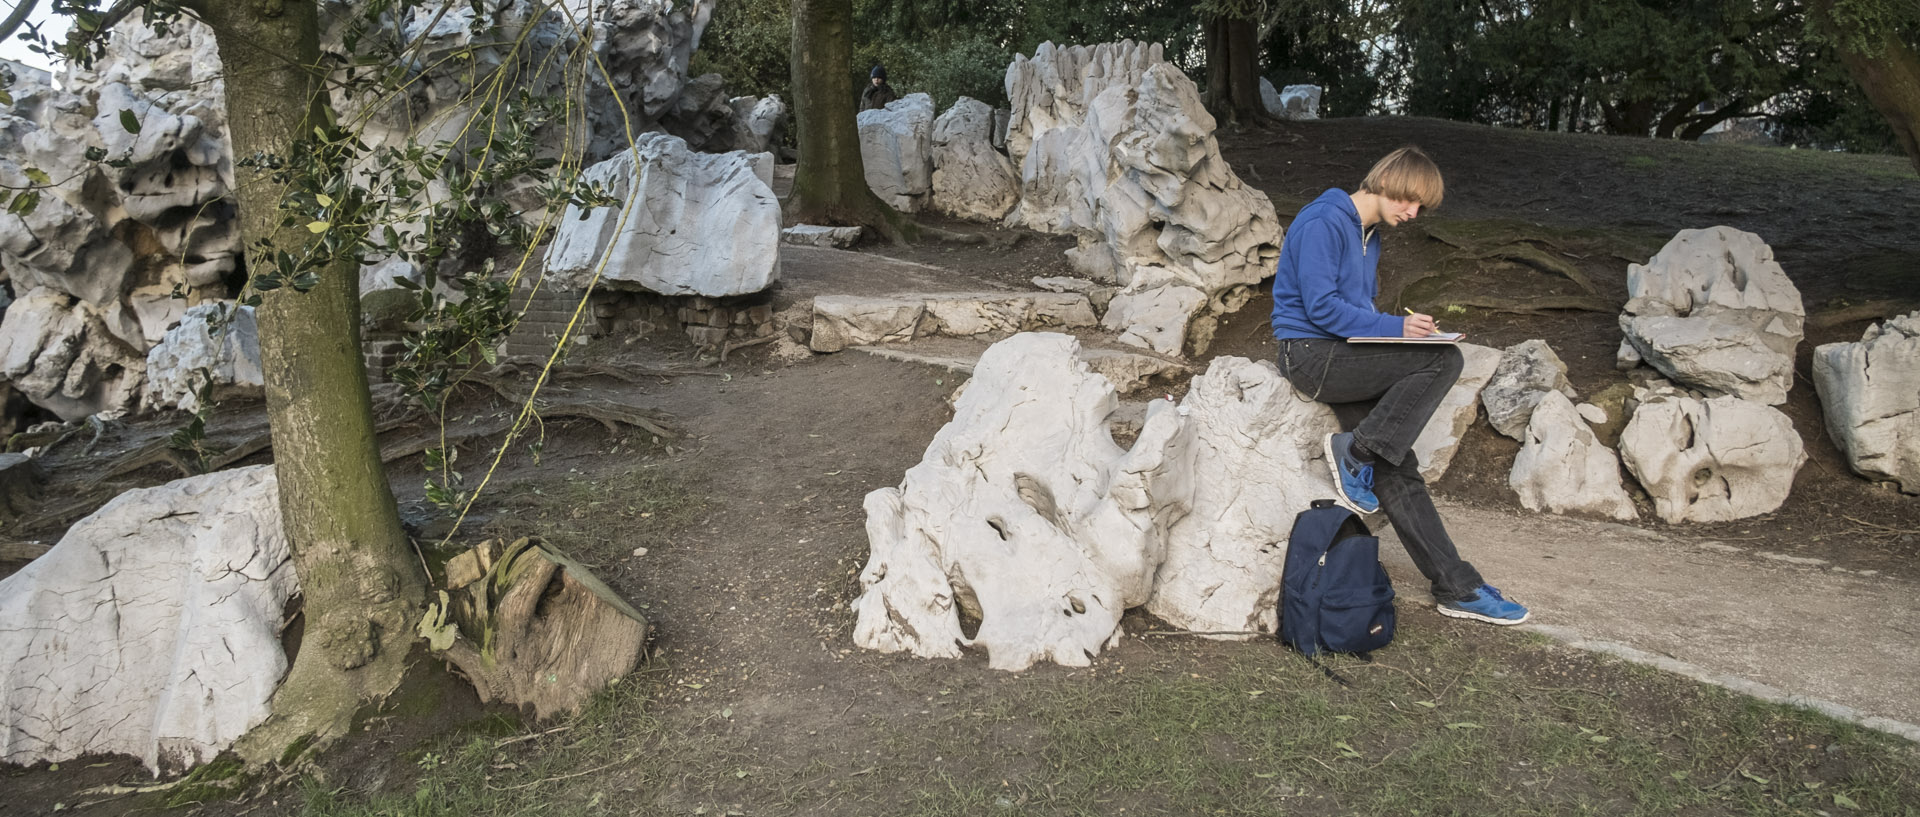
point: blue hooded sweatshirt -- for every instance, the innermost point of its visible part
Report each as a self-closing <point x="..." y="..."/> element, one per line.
<point x="1326" y="280"/>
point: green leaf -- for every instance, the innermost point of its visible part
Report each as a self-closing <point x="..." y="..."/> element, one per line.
<point x="38" y="176"/>
<point x="6" y="98"/>
<point x="1345" y="718"/>
<point x="324" y="199"/>
<point x="1346" y="749"/>
<point x="95" y="154"/>
<point x="1753" y="777"/>
<point x="129" y="121"/>
<point x="1845" y="802"/>
<point x="24" y="203"/>
<point x="318" y="227"/>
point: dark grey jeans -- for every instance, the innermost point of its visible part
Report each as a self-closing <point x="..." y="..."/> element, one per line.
<point x="1385" y="393"/>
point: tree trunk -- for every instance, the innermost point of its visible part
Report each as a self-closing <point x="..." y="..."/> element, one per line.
<point x="361" y="587"/>
<point x="1887" y="71"/>
<point x="1233" y="70"/>
<point x="829" y="184"/>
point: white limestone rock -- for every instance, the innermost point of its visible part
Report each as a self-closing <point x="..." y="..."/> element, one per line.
<point x="1871" y="394"/>
<point x="814" y="235"/>
<point x="971" y="180"/>
<point x="1563" y="468"/>
<point x="758" y="122"/>
<point x="1154" y="319"/>
<point x="896" y="150"/>
<point x="1440" y="440"/>
<point x="64" y="356"/>
<point x="1711" y="460"/>
<point x="840" y="321"/>
<point x="1023" y="512"/>
<point x="1527" y="372"/>
<point x="1292" y="102"/>
<point x="151" y="629"/>
<point x="1115" y="148"/>
<point x="1714" y="311"/>
<point x="1247" y="458"/>
<point x="217" y="343"/>
<point x="1026" y="515"/>
<point x="689" y="223"/>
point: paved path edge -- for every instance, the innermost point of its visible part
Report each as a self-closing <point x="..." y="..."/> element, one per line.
<point x="1744" y="686"/>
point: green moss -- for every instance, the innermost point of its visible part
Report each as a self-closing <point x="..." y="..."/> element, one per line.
<point x="222" y="778"/>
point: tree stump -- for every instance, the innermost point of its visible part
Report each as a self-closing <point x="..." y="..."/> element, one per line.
<point x="529" y="626"/>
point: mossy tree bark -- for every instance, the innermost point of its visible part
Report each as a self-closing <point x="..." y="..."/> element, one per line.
<point x="361" y="585"/>
<point x="830" y="184"/>
<point x="1886" y="69"/>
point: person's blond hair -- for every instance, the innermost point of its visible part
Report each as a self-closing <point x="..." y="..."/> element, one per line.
<point x="1406" y="175"/>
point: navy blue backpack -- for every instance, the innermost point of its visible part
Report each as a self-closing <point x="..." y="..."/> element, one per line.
<point x="1334" y="595"/>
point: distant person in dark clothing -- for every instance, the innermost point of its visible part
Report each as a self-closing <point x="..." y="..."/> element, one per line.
<point x="879" y="93"/>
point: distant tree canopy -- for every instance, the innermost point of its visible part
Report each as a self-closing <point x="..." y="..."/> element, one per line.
<point x="1655" y="68"/>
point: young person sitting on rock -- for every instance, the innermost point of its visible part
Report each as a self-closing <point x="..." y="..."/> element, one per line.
<point x="878" y="92"/>
<point x="1382" y="393"/>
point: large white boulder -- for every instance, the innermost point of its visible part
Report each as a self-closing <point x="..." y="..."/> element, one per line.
<point x="63" y="354"/>
<point x="216" y="344"/>
<point x="758" y="122"/>
<point x="896" y="150"/>
<point x="1871" y="393"/>
<point x="1246" y="460"/>
<point x="1563" y="468"/>
<point x="971" y="179"/>
<point x="686" y="223"/>
<point x="153" y="627"/>
<point x="1440" y="440"/>
<point x="1710" y="460"/>
<point x="1024" y="512"/>
<point x="1527" y="372"/>
<point x="1115" y="148"/>
<point x="1714" y="311"/>
<point x="1027" y="516"/>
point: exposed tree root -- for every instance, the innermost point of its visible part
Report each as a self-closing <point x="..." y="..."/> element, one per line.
<point x="1537" y="304"/>
<point x="607" y="412"/>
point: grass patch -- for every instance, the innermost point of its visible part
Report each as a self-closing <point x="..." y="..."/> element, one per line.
<point x="1447" y="721"/>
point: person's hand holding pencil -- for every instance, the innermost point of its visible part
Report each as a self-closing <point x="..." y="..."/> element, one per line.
<point x="1416" y="325"/>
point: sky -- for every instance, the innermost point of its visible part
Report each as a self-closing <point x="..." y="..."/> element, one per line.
<point x="53" y="26"/>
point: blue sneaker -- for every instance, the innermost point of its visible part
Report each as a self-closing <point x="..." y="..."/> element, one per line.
<point x="1352" y="479"/>
<point x="1486" y="605"/>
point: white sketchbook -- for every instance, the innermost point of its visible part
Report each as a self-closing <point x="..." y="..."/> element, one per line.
<point x="1437" y="337"/>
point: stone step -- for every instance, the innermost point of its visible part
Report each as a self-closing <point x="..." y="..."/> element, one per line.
<point x="1129" y="369"/>
<point x="840" y="321"/>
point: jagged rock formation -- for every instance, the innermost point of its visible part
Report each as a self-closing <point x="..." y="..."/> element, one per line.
<point x="1714" y="311"/>
<point x="216" y="345"/>
<point x="96" y="263"/>
<point x="688" y="223"/>
<point x="1871" y="393"/>
<point x="1710" y="460"/>
<point x="896" y="150"/>
<point x="1527" y="372"/>
<point x="1115" y="148"/>
<point x="122" y="236"/>
<point x="1026" y="518"/>
<point x="1291" y="102"/>
<point x="971" y="179"/>
<point x="1439" y="441"/>
<point x="63" y="354"/>
<point x="1563" y="468"/>
<point x="153" y="627"/>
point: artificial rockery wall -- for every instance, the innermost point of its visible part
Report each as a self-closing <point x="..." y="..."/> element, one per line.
<point x="134" y="225"/>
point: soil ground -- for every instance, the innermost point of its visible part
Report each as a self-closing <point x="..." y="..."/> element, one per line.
<point x="742" y="539"/>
